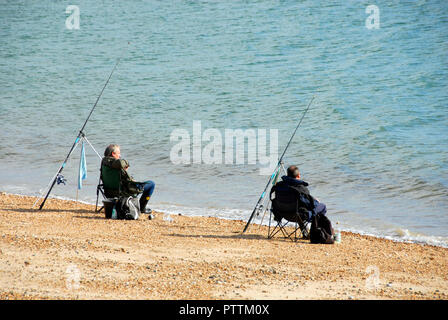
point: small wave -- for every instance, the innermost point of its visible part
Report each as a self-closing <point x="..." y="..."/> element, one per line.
<point x="395" y="234"/>
<point x="403" y="235"/>
<point x="414" y="237"/>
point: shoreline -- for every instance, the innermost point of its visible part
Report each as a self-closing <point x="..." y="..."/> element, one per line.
<point x="66" y="251"/>
<point x="361" y="233"/>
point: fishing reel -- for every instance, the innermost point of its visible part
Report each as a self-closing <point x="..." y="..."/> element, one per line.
<point x="60" y="179"/>
<point x="260" y="209"/>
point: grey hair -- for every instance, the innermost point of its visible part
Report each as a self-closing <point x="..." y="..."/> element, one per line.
<point x="111" y="148"/>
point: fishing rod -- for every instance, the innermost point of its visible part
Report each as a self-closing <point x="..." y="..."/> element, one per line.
<point x="276" y="172"/>
<point x="80" y="136"/>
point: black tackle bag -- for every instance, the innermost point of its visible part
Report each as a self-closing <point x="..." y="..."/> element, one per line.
<point x="321" y="230"/>
<point x="128" y="208"/>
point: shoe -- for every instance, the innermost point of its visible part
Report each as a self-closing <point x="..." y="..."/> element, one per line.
<point x="150" y="217"/>
<point x="147" y="210"/>
<point x="305" y="234"/>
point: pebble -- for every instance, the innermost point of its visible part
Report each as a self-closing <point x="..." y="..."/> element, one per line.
<point x="236" y="275"/>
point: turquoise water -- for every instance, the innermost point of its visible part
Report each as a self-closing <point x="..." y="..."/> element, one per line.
<point x="373" y="146"/>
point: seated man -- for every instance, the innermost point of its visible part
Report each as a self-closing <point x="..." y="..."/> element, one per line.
<point x="112" y="159"/>
<point x="293" y="186"/>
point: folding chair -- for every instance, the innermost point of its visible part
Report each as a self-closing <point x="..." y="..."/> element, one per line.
<point x="110" y="186"/>
<point x="285" y="209"/>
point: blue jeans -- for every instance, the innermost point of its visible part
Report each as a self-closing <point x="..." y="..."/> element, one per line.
<point x="319" y="207"/>
<point x="148" y="189"/>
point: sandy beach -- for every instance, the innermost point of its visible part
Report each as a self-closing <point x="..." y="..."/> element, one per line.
<point x="67" y="251"/>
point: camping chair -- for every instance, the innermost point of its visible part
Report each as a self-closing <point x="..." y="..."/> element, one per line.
<point x="285" y="209"/>
<point x="111" y="187"/>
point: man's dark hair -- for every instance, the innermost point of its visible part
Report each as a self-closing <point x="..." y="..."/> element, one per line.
<point x="293" y="171"/>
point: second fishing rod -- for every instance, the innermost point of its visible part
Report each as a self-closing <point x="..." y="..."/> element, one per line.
<point x="276" y="171"/>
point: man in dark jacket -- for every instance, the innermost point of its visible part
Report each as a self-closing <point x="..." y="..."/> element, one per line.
<point x="112" y="159"/>
<point x="292" y="186"/>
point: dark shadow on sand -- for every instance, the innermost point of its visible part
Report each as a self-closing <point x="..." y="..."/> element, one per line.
<point x="216" y="236"/>
<point x="92" y="218"/>
<point x="51" y="210"/>
<point x="239" y="236"/>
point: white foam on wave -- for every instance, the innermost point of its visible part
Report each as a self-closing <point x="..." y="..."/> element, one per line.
<point x="403" y="235"/>
<point x="395" y="234"/>
<point x="408" y="236"/>
<point x="226" y="213"/>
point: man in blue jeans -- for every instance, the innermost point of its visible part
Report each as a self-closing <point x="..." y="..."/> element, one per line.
<point x="112" y="158"/>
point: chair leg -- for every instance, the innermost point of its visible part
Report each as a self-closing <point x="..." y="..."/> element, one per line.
<point x="294" y="233"/>
<point x="305" y="233"/>
<point x="280" y="227"/>
<point x="96" y="206"/>
<point x="274" y="231"/>
<point x="98" y="190"/>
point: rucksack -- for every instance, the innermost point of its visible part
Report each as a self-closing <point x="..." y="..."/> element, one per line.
<point x="128" y="208"/>
<point x="321" y="230"/>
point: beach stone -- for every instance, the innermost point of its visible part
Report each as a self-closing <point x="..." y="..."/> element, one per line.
<point x="241" y="265"/>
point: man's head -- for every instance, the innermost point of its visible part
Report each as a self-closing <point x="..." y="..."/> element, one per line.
<point x="113" y="150"/>
<point x="293" y="172"/>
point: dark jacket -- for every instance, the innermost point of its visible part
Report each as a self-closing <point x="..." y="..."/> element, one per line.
<point x="114" y="163"/>
<point x="292" y="188"/>
<point x="123" y="184"/>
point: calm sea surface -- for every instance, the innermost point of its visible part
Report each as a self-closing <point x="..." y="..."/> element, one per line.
<point x="373" y="146"/>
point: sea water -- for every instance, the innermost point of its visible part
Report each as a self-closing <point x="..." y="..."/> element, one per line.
<point x="373" y="146"/>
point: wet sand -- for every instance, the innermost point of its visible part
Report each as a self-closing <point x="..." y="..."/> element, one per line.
<point x="67" y="251"/>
